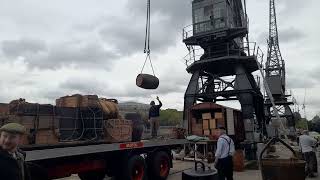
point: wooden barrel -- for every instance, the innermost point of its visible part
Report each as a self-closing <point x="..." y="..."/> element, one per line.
<point x="109" y="108"/>
<point x="238" y="161"/>
<point x="147" y="81"/>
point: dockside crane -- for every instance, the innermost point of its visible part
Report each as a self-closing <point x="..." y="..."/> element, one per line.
<point x="275" y="74"/>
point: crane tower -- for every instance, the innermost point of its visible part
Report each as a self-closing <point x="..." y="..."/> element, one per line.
<point x="221" y="61"/>
<point x="275" y="73"/>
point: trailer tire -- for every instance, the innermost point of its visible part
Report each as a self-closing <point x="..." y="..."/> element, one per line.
<point x="159" y="165"/>
<point x="135" y="169"/>
<point x="92" y="175"/>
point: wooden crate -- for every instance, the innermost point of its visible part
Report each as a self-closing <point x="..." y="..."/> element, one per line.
<point x="27" y="121"/>
<point x="4" y="109"/>
<point x="213" y="124"/>
<point x="205" y="124"/>
<point x="47" y="122"/>
<point x="46" y="137"/>
<point x="206" y="116"/>
<point x="118" y="130"/>
<point x="89" y="101"/>
<point x="197" y="129"/>
<point x="218" y="115"/>
<point x="69" y="101"/>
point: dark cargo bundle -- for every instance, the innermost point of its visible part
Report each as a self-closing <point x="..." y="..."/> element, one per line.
<point x="22" y="107"/>
<point x="80" y="124"/>
<point x="108" y="106"/>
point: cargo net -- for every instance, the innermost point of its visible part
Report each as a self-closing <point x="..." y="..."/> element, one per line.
<point x="80" y="124"/>
<point x="81" y="118"/>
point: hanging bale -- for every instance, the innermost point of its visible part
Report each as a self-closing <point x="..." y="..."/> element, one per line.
<point x="147" y="81"/>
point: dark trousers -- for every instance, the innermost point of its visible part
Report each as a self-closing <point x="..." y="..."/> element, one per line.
<point x="225" y="168"/>
<point x="154" y="126"/>
<point x="311" y="162"/>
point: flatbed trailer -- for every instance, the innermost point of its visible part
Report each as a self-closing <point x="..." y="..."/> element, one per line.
<point x="146" y="159"/>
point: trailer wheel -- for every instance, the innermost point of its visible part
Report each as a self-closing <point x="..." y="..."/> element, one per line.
<point x="159" y="166"/>
<point x="135" y="169"/>
<point x="92" y="175"/>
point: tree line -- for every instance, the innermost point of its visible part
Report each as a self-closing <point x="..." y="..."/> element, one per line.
<point x="311" y="125"/>
<point x="170" y="117"/>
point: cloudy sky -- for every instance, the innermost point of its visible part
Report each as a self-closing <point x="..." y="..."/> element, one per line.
<point x="50" y="49"/>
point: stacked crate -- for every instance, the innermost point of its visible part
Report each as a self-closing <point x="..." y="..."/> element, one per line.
<point x="196" y="127"/>
<point x="118" y="130"/>
<point x="208" y="124"/>
<point x="38" y="119"/>
<point x="219" y="122"/>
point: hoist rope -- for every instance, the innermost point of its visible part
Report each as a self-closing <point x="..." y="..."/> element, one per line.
<point x="147" y="39"/>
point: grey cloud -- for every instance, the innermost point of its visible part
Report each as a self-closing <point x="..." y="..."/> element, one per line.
<point x="126" y="34"/>
<point x="94" y="86"/>
<point x="286" y="35"/>
<point x="303" y="78"/>
<point x="291" y="35"/>
<point x="84" y="86"/>
<point x="22" y="46"/>
<point x="296" y="81"/>
<point x="262" y="38"/>
<point x="52" y="94"/>
<point x="177" y="10"/>
<point x="170" y="84"/>
<point x="292" y="6"/>
<point x="82" y="54"/>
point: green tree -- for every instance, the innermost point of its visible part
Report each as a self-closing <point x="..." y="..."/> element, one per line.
<point x="302" y="124"/>
<point x="170" y="117"/>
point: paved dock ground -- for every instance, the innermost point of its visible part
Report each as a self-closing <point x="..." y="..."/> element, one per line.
<point x="179" y="166"/>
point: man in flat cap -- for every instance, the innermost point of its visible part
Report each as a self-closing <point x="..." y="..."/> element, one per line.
<point x="12" y="159"/>
<point x="223" y="155"/>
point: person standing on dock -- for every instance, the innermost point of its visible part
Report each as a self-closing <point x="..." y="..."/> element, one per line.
<point x="154" y="113"/>
<point x="224" y="155"/>
<point x="307" y="144"/>
<point x="12" y="159"/>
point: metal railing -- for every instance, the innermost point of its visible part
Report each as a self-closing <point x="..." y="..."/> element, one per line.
<point x="247" y="49"/>
<point x="211" y="25"/>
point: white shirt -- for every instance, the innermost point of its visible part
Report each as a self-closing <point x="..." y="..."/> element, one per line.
<point x="225" y="147"/>
<point x="306" y="142"/>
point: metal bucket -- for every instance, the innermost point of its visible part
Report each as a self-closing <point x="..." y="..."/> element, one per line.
<point x="147" y="81"/>
<point x="280" y="169"/>
<point x="200" y="174"/>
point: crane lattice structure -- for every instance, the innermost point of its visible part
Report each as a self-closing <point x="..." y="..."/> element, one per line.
<point x="221" y="61"/>
<point x="275" y="73"/>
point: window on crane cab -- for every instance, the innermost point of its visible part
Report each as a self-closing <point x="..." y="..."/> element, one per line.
<point x="215" y="15"/>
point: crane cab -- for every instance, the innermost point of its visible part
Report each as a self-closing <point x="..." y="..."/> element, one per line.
<point x="210" y="16"/>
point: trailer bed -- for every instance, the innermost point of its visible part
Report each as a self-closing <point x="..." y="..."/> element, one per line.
<point x="61" y="152"/>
